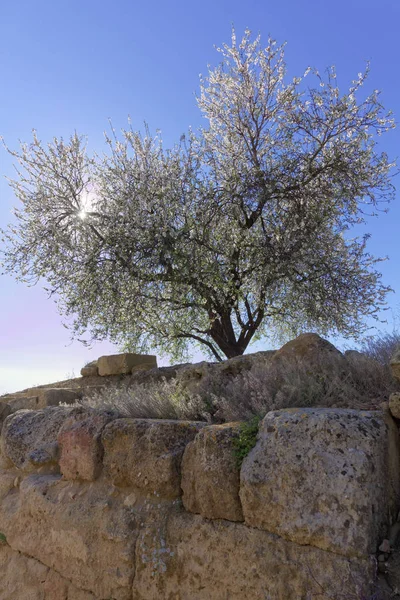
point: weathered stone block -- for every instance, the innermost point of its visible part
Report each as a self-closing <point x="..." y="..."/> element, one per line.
<point x="57" y="396"/>
<point x="210" y="475"/>
<point x="8" y="480"/>
<point x="5" y="410"/>
<point x="220" y="560"/>
<point x="84" y="533"/>
<point x="147" y="453"/>
<point x="190" y="375"/>
<point x="324" y="477"/>
<point x="239" y="364"/>
<point x="121" y="364"/>
<point x="88" y="391"/>
<point x="43" y="397"/>
<point x="81" y="451"/>
<point x="90" y="370"/>
<point x="23" y="403"/>
<point x="24" y="578"/>
<point x="395" y="364"/>
<point x="309" y="348"/>
<point x="394" y="405"/>
<point x="29" y="438"/>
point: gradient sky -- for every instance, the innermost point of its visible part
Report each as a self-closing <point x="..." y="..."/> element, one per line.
<point x="67" y="65"/>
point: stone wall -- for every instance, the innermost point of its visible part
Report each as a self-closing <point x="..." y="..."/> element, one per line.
<point x="94" y="507"/>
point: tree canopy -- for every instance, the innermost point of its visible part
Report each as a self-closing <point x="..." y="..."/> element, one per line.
<point x="239" y="229"/>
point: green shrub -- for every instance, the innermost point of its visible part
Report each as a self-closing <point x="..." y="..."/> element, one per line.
<point x="246" y="440"/>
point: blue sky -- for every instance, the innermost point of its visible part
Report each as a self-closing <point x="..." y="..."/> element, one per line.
<point x="72" y="65"/>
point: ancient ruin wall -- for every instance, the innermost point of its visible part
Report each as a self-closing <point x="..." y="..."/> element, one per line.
<point x="96" y="507"/>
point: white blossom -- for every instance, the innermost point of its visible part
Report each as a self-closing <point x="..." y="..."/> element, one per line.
<point x="237" y="230"/>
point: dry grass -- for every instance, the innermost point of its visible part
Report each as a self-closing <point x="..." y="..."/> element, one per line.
<point x="360" y="381"/>
<point x="160" y="400"/>
<point x="382" y="347"/>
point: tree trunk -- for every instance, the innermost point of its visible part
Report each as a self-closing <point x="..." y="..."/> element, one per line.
<point x="223" y="334"/>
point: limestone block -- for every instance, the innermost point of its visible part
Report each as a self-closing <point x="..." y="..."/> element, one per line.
<point x="157" y="375"/>
<point x="309" y="348"/>
<point x="220" y="560"/>
<point x="355" y="355"/>
<point x="83" y="532"/>
<point x="23" y="403"/>
<point x="121" y="364"/>
<point x="324" y="477"/>
<point x="394" y="405"/>
<point x="81" y="451"/>
<point x="88" y="391"/>
<point x="8" y="481"/>
<point x="24" y="578"/>
<point x="395" y="364"/>
<point x="90" y="370"/>
<point x="5" y="410"/>
<point x="5" y="462"/>
<point x="57" y="396"/>
<point x="189" y="376"/>
<point x="44" y="397"/>
<point x="393" y="571"/>
<point x="147" y="453"/>
<point x="29" y="438"/>
<point x="21" y="577"/>
<point x="210" y="475"/>
<point x="239" y="364"/>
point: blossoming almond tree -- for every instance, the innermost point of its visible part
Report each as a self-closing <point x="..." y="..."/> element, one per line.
<point x="238" y="230"/>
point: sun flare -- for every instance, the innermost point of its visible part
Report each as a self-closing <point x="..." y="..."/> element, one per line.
<point x="87" y="202"/>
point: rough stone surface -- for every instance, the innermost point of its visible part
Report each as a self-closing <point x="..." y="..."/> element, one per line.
<point x="393" y="572"/>
<point x="8" y="481"/>
<point x="30" y="437"/>
<point x="210" y="475"/>
<point x="324" y="477"/>
<point x="219" y="560"/>
<point x="86" y="534"/>
<point x="24" y="578"/>
<point x="5" y="410"/>
<point x="147" y="454"/>
<point x="356" y="355"/>
<point x="118" y="364"/>
<point x="394" y="405"/>
<point x="57" y="396"/>
<point x="81" y="451"/>
<point x="395" y="364"/>
<point x="237" y="365"/>
<point x="38" y="398"/>
<point x="5" y="462"/>
<point x="23" y="403"/>
<point x="157" y="375"/>
<point x="191" y="375"/>
<point x="91" y="391"/>
<point x="324" y="482"/>
<point x="309" y="348"/>
<point x="90" y="370"/>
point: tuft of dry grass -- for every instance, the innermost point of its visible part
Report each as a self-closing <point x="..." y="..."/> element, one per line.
<point x="158" y="400"/>
<point x="360" y="381"/>
<point x="382" y="347"/>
